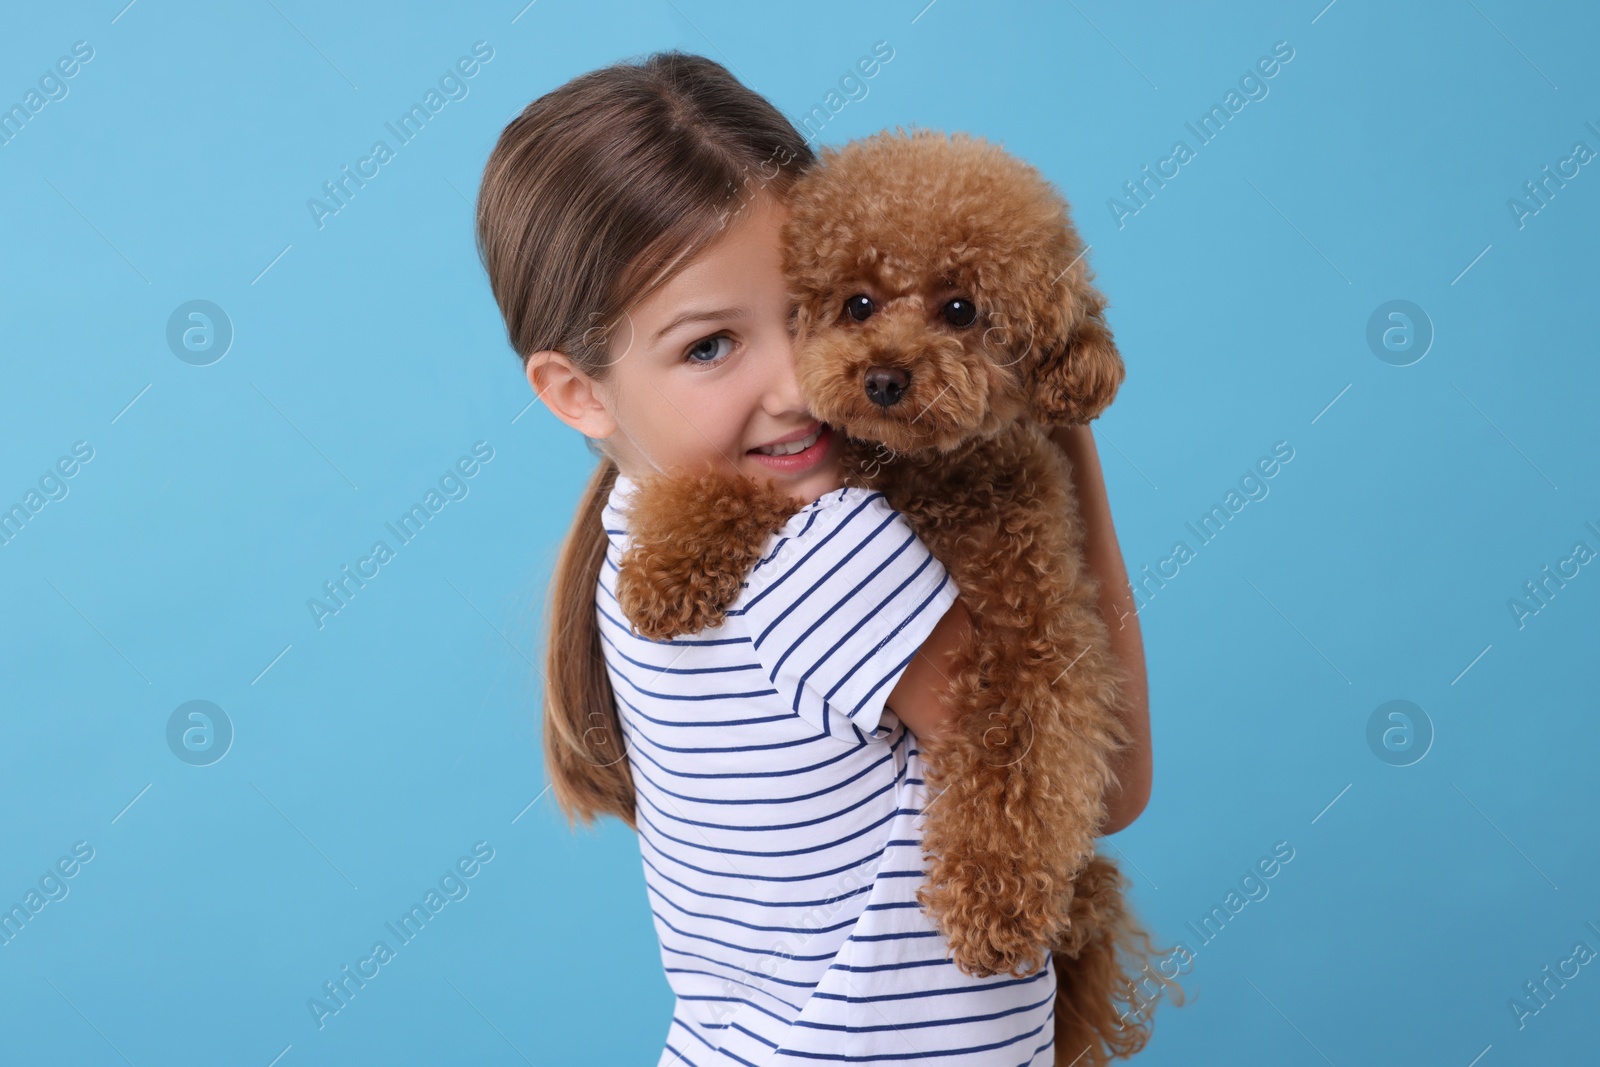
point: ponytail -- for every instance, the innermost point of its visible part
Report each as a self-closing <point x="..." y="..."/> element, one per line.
<point x="585" y="757"/>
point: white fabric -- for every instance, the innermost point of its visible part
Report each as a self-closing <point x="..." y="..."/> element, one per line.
<point x="780" y="811"/>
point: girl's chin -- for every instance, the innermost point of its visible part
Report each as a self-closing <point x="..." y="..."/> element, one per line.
<point x="824" y="481"/>
<point x="826" y="477"/>
<point x="820" y="479"/>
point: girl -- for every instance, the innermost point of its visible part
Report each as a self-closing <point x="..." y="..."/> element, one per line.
<point x="629" y="224"/>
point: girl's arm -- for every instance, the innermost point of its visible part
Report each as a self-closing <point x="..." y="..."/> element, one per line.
<point x="1132" y="765"/>
<point x="918" y="698"/>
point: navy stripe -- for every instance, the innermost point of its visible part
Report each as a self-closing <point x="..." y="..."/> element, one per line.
<point x="675" y="642"/>
<point x="807" y="877"/>
<point x="807" y="850"/>
<point x="909" y="934"/>
<point x="864" y="660"/>
<point x="799" y="600"/>
<point x="891" y="598"/>
<point x="898" y="668"/>
<point x="921" y="991"/>
<point x="731" y="1000"/>
<point x="670" y="669"/>
<point x="865" y="613"/>
<point x="847" y="1058"/>
<point x="885" y="788"/>
<point x="910" y="1025"/>
<point x="775" y="583"/>
<point x="793" y="1008"/>
<point x="742" y="900"/>
<point x="778" y="545"/>
<point x="762" y="979"/>
<point x="750" y="694"/>
<point x="791" y="743"/>
<point x="691" y="1032"/>
<point x="780" y="773"/>
<point x="759" y="928"/>
<point x="683" y="1057"/>
<point x="888" y="756"/>
<point x="759" y="952"/>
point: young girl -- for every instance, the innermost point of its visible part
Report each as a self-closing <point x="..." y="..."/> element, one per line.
<point x="629" y="224"/>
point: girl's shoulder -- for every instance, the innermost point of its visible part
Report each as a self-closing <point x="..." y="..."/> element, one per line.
<point x="836" y="526"/>
<point x="838" y="603"/>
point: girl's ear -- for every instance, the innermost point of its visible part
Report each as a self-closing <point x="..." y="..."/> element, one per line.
<point x="571" y="395"/>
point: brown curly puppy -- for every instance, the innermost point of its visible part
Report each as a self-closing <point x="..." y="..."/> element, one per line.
<point x="945" y="319"/>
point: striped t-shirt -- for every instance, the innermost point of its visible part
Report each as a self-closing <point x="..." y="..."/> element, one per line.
<point x="779" y="808"/>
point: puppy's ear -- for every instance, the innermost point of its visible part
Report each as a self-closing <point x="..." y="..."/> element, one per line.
<point x="1079" y="367"/>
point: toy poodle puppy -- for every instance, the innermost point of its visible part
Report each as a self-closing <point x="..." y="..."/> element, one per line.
<point x="946" y="320"/>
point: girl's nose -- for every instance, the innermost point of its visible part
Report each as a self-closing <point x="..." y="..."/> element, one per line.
<point x="783" y="394"/>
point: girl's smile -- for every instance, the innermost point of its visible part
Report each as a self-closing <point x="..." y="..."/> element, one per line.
<point x="798" y="451"/>
<point x="701" y="371"/>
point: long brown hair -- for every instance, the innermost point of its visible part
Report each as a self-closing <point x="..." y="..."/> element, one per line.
<point x="593" y="197"/>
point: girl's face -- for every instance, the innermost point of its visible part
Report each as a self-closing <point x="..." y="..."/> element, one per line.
<point x="702" y="372"/>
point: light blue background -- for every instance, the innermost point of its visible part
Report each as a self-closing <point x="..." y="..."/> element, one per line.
<point x="372" y="753"/>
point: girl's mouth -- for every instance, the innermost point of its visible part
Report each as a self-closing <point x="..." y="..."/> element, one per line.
<point x="794" y="456"/>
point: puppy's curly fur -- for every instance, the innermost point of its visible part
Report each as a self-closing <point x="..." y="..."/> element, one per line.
<point x="945" y="319"/>
<point x="680" y="574"/>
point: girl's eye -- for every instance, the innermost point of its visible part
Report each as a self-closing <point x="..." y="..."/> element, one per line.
<point x="960" y="311"/>
<point x="859" y="307"/>
<point x="705" y="351"/>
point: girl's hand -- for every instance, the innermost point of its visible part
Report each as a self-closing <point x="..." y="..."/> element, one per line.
<point x="1132" y="765"/>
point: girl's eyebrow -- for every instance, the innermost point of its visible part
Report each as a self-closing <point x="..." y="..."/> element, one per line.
<point x="699" y="316"/>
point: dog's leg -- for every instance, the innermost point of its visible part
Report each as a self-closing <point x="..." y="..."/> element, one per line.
<point x="1018" y="793"/>
<point x="983" y="888"/>
<point x="1013" y="812"/>
<point x="693" y="539"/>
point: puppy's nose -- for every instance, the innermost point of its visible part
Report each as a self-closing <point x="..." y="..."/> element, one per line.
<point x="886" y="385"/>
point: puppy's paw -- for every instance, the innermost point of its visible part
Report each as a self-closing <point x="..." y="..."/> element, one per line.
<point x="693" y="538"/>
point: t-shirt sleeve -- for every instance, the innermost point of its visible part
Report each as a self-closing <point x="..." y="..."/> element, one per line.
<point x="841" y="599"/>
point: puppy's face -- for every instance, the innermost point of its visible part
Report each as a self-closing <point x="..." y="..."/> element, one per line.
<point x="941" y="294"/>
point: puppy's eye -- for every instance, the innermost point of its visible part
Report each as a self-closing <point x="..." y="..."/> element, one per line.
<point x="859" y="307"/>
<point x="960" y="311"/>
